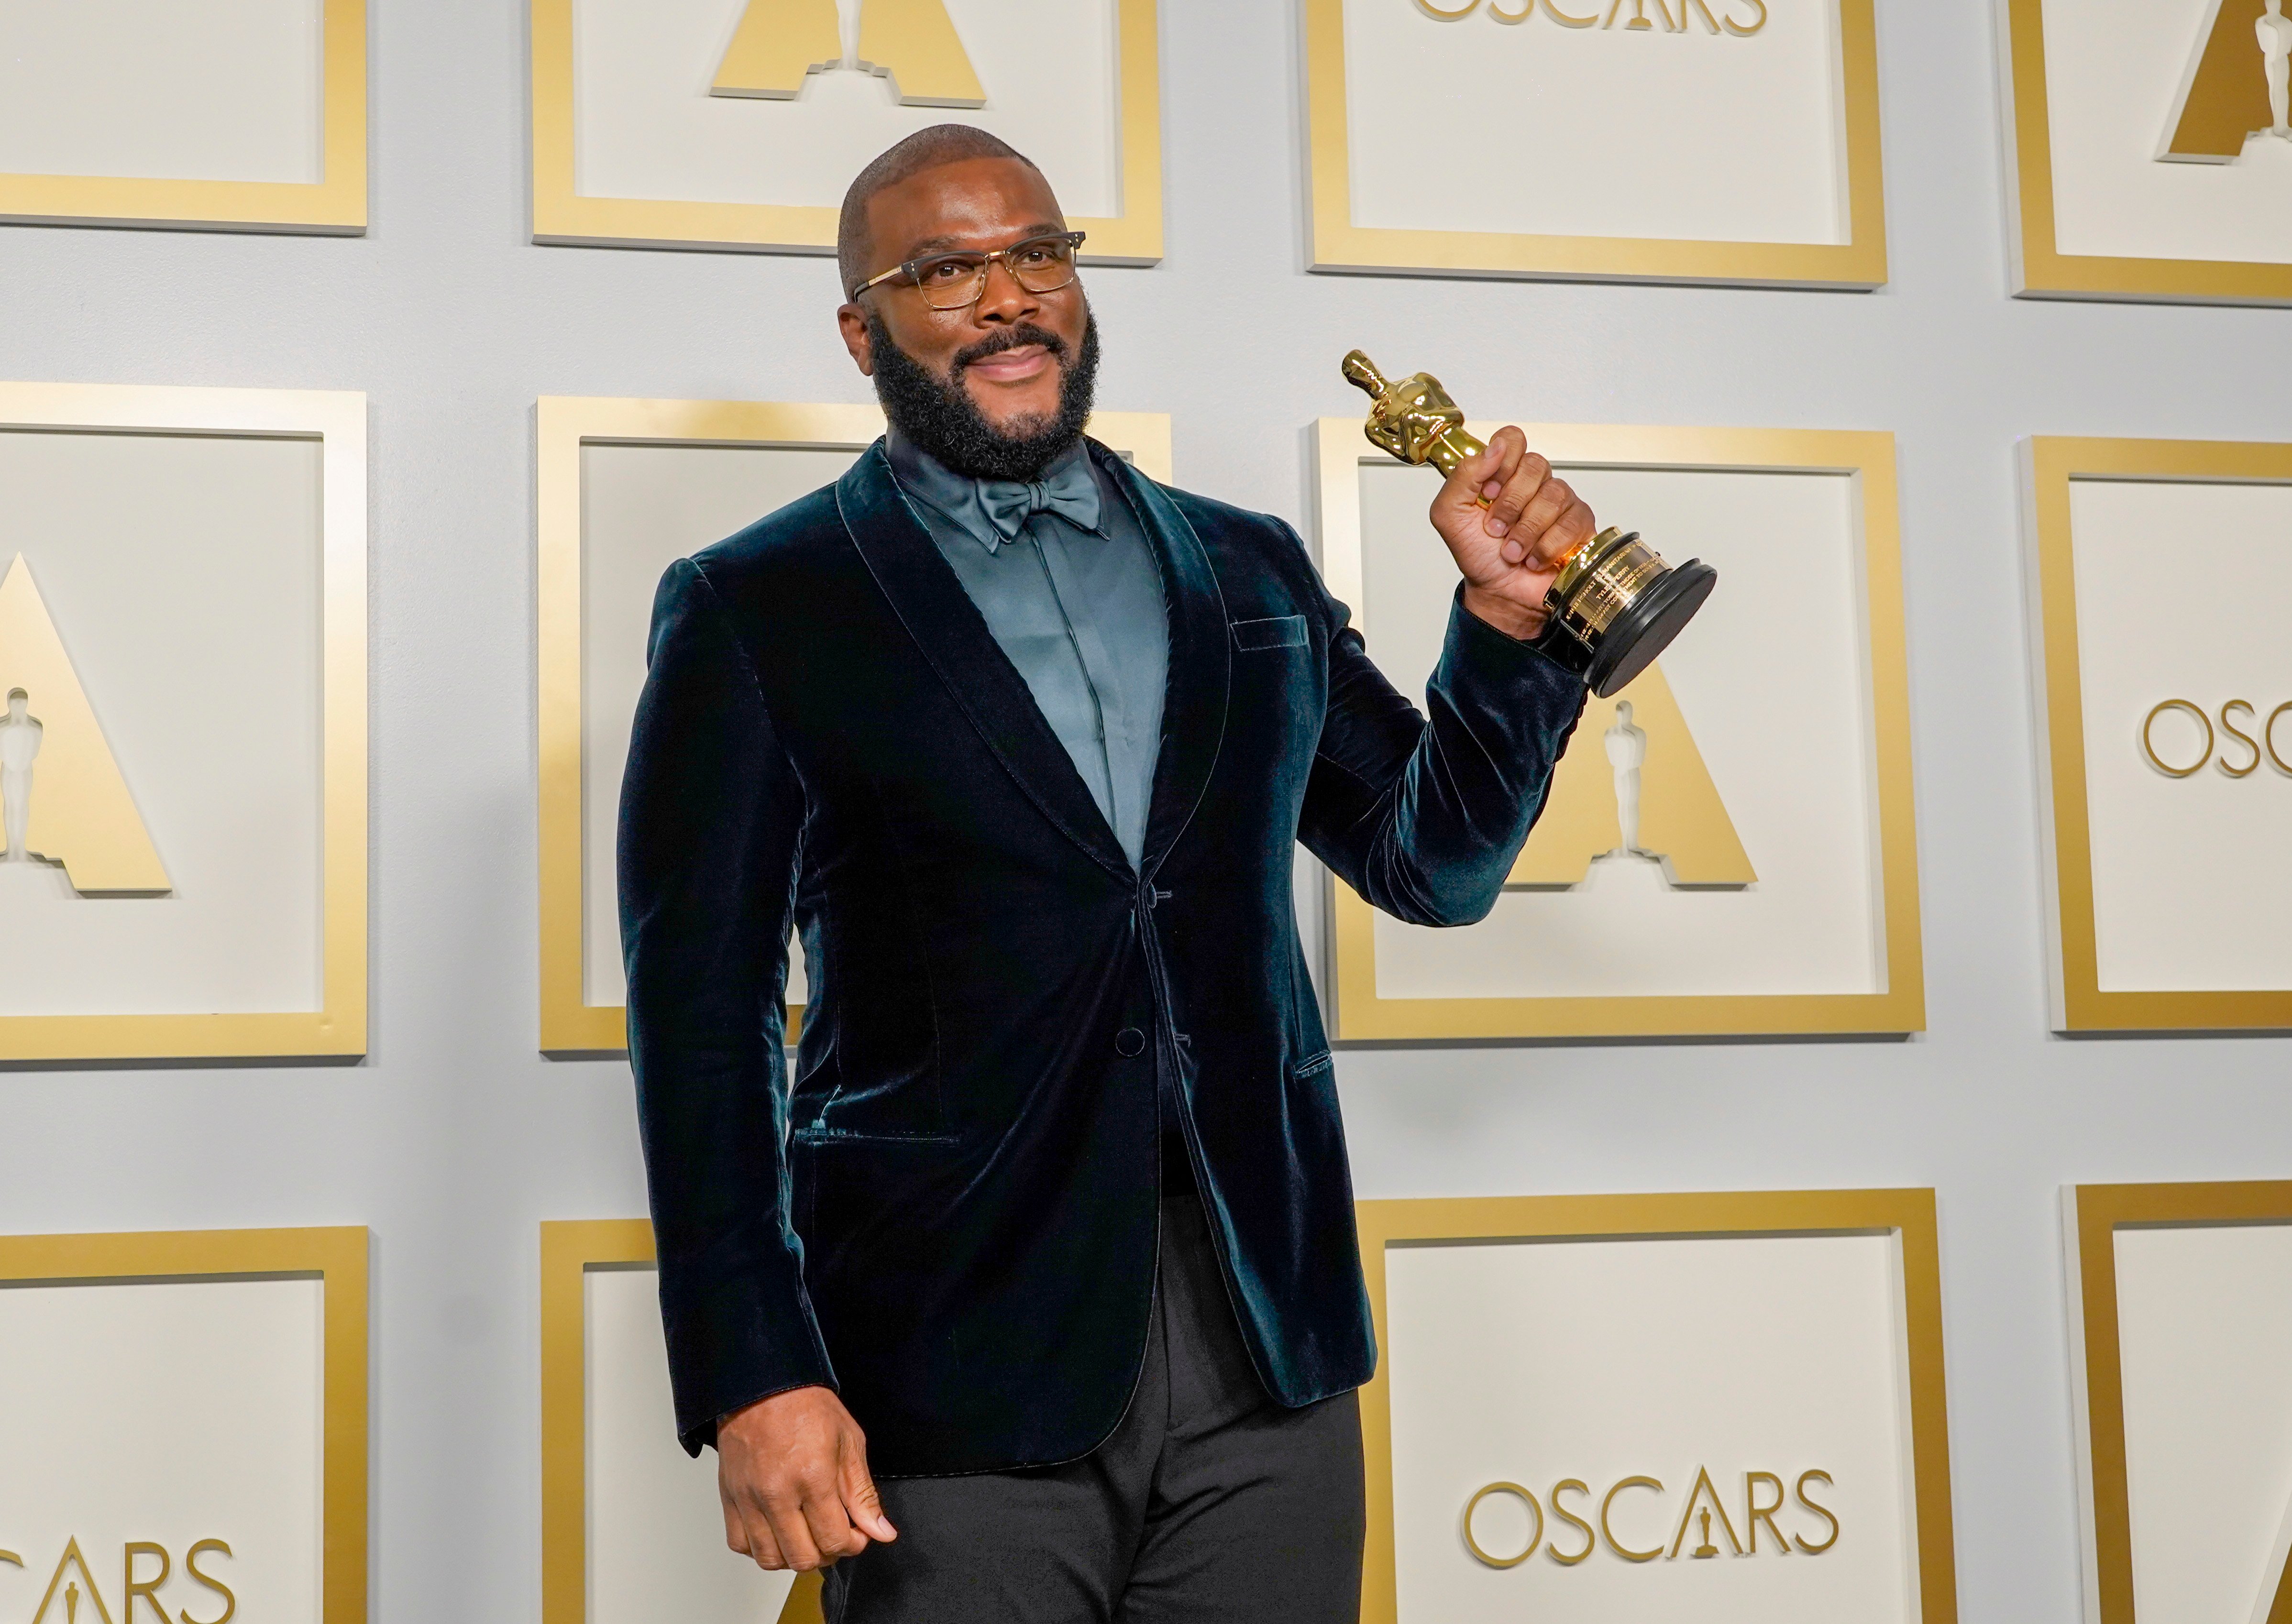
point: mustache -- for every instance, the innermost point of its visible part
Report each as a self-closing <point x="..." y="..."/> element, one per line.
<point x="1008" y="338"/>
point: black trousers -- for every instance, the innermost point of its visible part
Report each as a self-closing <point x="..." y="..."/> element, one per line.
<point x="1209" y="1503"/>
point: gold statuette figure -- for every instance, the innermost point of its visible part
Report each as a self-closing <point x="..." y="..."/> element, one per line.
<point x="1615" y="605"/>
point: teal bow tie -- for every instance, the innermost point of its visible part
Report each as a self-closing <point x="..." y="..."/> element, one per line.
<point x="1071" y="492"/>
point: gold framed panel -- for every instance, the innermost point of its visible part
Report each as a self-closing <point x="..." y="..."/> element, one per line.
<point x="562" y="214"/>
<point x="334" y="206"/>
<point x="337" y="420"/>
<point x="570" y="1024"/>
<point x="2094" y="1214"/>
<point x="2049" y="464"/>
<point x="1866" y="456"/>
<point x="569" y="1250"/>
<point x="336" y="1256"/>
<point x="1339" y="244"/>
<point x="2040" y="269"/>
<point x="1907" y="1215"/>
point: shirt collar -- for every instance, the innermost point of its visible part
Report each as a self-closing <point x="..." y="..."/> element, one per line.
<point x="956" y="496"/>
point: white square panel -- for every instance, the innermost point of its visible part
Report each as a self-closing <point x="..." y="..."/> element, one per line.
<point x="171" y="1413"/>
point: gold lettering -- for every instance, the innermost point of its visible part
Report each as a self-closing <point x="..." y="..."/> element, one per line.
<point x="2268" y="735"/>
<point x="191" y="1566"/>
<point x="145" y="1587"/>
<point x="1755" y="1513"/>
<point x="72" y="1559"/>
<point x="1566" y="1515"/>
<point x="1614" y="1544"/>
<point x="2230" y="728"/>
<point x="1803" y="1499"/>
<point x="1704" y="1485"/>
<point x="1534" y="1539"/>
<point x="2150" y="749"/>
<point x="1639" y="22"/>
<point x="12" y="1559"/>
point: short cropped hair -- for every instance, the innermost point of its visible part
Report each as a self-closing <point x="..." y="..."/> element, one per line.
<point x="944" y="143"/>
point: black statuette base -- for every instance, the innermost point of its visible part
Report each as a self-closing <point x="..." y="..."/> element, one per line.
<point x="1636" y="636"/>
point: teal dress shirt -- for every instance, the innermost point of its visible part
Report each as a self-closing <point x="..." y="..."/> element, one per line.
<point x="1077" y="608"/>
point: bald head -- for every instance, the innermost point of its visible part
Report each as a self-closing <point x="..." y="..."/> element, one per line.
<point x="941" y="144"/>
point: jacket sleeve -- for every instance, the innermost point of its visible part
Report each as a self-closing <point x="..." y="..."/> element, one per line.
<point x="1423" y="814"/>
<point x="712" y="814"/>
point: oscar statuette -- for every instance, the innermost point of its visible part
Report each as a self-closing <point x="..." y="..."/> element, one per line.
<point x="1615" y="605"/>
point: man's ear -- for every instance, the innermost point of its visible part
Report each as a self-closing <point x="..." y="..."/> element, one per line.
<point x="852" y="321"/>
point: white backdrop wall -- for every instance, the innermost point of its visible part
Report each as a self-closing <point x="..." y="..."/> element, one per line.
<point x="455" y="1139"/>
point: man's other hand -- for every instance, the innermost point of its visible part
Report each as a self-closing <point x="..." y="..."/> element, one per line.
<point x="1509" y="550"/>
<point x="793" y="1472"/>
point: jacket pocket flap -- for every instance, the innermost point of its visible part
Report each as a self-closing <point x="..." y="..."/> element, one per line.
<point x="1280" y="631"/>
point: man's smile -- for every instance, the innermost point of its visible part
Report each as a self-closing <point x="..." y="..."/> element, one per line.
<point x="1017" y="365"/>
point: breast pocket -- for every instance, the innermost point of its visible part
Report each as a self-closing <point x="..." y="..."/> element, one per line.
<point x="1278" y="631"/>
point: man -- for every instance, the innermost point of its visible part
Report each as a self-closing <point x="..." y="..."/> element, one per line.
<point x="1056" y="1206"/>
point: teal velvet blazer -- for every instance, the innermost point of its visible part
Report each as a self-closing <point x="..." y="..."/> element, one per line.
<point x="949" y="1214"/>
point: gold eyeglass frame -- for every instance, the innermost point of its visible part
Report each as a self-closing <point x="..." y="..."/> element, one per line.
<point x="912" y="269"/>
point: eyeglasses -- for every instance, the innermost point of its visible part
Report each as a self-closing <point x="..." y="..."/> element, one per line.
<point x="955" y="281"/>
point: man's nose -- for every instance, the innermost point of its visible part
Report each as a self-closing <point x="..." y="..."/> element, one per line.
<point x="1002" y="300"/>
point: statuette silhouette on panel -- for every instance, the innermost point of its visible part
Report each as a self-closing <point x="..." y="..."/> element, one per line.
<point x="65" y="801"/>
<point x="2275" y="31"/>
<point x="20" y="750"/>
<point x="2238" y="85"/>
<point x="1626" y="753"/>
<point x="1654" y="802"/>
<point x="913" y="43"/>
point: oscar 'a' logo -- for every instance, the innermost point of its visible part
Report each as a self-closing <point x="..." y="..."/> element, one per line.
<point x="61" y="795"/>
<point x="64" y="1591"/>
<point x="2235" y="85"/>
<point x="912" y="42"/>
<point x="1633" y="784"/>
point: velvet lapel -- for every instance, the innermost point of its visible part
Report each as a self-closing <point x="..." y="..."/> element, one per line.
<point x="1201" y="655"/>
<point x="931" y="603"/>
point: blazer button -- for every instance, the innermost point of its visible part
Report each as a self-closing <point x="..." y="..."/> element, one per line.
<point x="1130" y="1042"/>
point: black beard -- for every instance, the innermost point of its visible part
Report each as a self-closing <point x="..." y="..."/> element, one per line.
<point x="941" y="417"/>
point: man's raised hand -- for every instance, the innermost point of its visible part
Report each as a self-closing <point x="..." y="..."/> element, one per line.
<point x="792" y="1470"/>
<point x="1509" y="550"/>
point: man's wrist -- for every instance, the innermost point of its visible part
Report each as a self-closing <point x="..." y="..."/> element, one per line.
<point x="738" y="1411"/>
<point x="1514" y="619"/>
